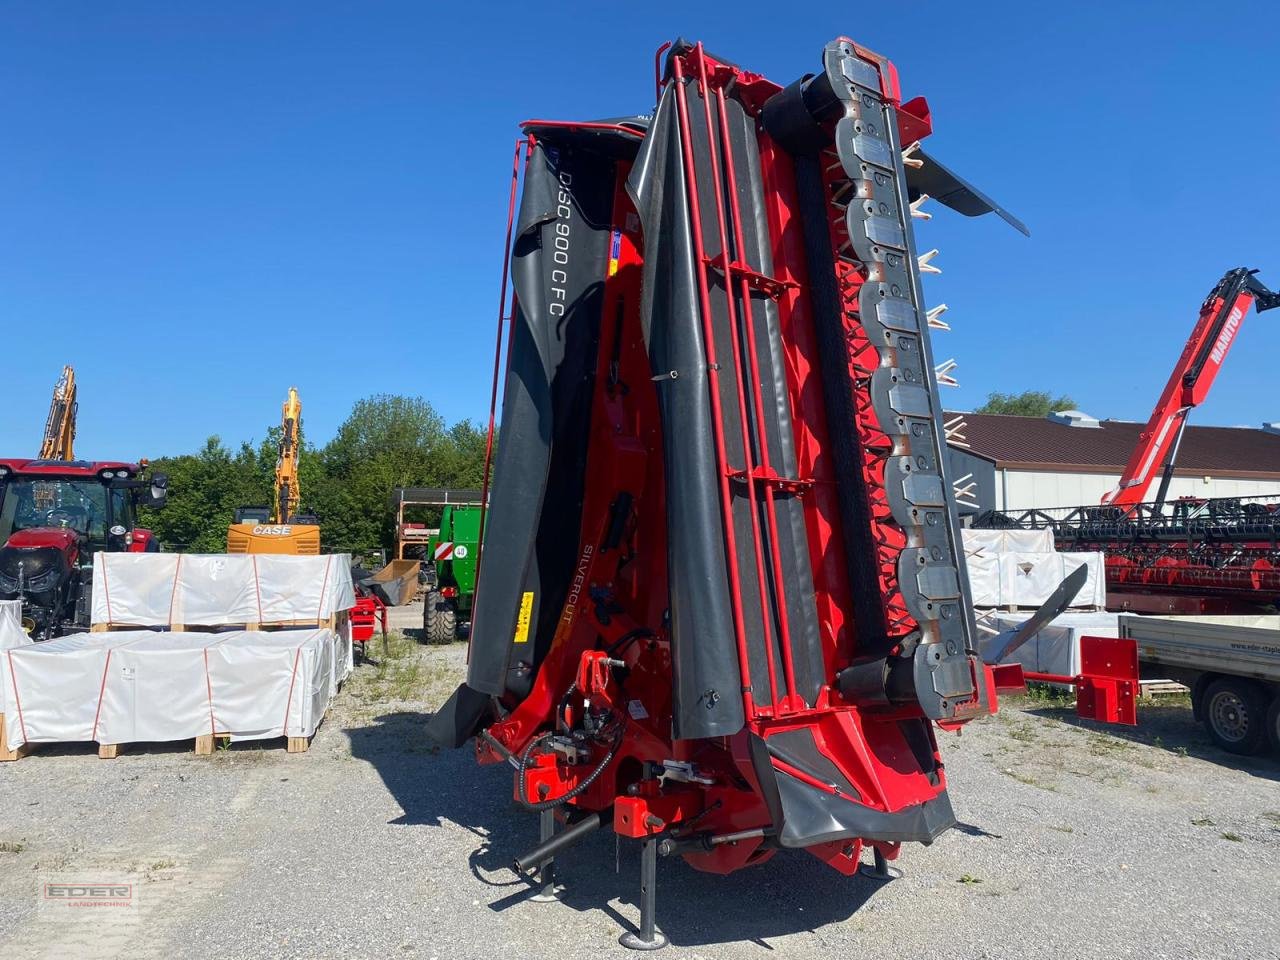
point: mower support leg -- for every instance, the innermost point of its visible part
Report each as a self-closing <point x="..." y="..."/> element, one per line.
<point x="547" y="875"/>
<point x="880" y="870"/>
<point x="648" y="937"/>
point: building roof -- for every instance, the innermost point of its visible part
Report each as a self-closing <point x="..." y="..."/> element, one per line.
<point x="1036" y="443"/>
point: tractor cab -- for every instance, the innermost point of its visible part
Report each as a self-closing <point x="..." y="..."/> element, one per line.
<point x="54" y="515"/>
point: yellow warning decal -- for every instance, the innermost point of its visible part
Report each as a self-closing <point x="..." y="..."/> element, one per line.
<point x="526" y="614"/>
<point x="615" y="251"/>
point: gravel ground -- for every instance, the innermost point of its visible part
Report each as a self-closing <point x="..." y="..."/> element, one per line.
<point x="1074" y="842"/>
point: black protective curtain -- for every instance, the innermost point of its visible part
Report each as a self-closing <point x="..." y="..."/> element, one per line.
<point x="707" y="681"/>
<point x="559" y="262"/>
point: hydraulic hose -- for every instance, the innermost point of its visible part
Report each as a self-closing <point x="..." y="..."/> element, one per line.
<point x="523" y="767"/>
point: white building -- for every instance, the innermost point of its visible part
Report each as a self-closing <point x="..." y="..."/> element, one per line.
<point x="1017" y="463"/>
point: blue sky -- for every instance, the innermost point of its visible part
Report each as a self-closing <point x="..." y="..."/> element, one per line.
<point x="204" y="203"/>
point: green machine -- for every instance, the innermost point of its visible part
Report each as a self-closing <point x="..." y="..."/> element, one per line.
<point x="452" y="556"/>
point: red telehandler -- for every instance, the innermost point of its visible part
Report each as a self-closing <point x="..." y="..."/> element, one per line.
<point x="1191" y="555"/>
<point x="1221" y="316"/>
<point x="722" y="605"/>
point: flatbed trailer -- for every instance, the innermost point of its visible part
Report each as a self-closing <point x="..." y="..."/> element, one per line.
<point x="1232" y="666"/>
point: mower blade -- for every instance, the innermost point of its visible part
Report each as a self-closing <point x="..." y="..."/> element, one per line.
<point x="1049" y="611"/>
<point x="932" y="178"/>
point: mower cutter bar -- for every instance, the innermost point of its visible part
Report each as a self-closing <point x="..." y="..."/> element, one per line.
<point x="911" y="592"/>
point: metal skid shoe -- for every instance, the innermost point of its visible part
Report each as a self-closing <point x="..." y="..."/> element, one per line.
<point x="880" y="870"/>
<point x="648" y="937"/>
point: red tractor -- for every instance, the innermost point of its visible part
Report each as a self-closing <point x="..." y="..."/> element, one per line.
<point x="54" y="515"/>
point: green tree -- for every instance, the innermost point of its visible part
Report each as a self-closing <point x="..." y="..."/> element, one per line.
<point x="386" y="442"/>
<point x="1029" y="403"/>
<point x="204" y="490"/>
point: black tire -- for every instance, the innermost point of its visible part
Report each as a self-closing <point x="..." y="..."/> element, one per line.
<point x="439" y="619"/>
<point x="1234" y="712"/>
<point x="1273" y="723"/>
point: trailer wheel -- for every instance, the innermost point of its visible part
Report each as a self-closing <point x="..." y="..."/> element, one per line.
<point x="1235" y="712"/>
<point x="439" y="619"/>
<point x="1273" y="723"/>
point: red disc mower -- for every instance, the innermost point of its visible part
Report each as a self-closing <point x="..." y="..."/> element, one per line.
<point x="722" y="605"/>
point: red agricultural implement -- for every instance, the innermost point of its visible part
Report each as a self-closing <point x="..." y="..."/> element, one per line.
<point x="368" y="612"/>
<point x="722" y="605"/>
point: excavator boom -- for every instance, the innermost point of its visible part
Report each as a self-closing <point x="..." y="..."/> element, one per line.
<point x="288" y="495"/>
<point x="60" y="427"/>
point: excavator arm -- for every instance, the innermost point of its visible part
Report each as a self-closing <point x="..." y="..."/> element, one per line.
<point x="60" y="427"/>
<point x="1221" y="316"/>
<point x="288" y="494"/>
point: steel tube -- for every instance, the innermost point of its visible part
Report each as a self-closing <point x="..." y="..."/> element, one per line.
<point x="566" y="838"/>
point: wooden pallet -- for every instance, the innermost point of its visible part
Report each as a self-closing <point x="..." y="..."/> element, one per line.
<point x="205" y="746"/>
<point x="1163" y="688"/>
<point x="208" y="744"/>
<point x="7" y="755"/>
<point x="332" y="622"/>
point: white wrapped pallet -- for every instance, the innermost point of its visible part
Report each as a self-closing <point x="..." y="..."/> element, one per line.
<point x="989" y="542"/>
<point x="1028" y="578"/>
<point x="1094" y="592"/>
<point x="133" y="588"/>
<point x="55" y="688"/>
<point x="984" y="579"/>
<point x="12" y="636"/>
<point x="154" y="688"/>
<point x="294" y="676"/>
<point x="145" y="589"/>
<point x="140" y="685"/>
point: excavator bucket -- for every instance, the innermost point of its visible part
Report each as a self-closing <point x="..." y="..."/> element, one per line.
<point x="722" y="601"/>
<point x="396" y="583"/>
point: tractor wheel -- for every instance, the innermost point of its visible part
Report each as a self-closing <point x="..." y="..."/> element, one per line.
<point x="439" y="619"/>
<point x="1235" y="712"/>
<point x="1273" y="723"/>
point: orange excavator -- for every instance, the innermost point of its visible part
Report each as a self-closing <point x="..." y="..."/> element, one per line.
<point x="279" y="528"/>
<point x="1221" y="316"/>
